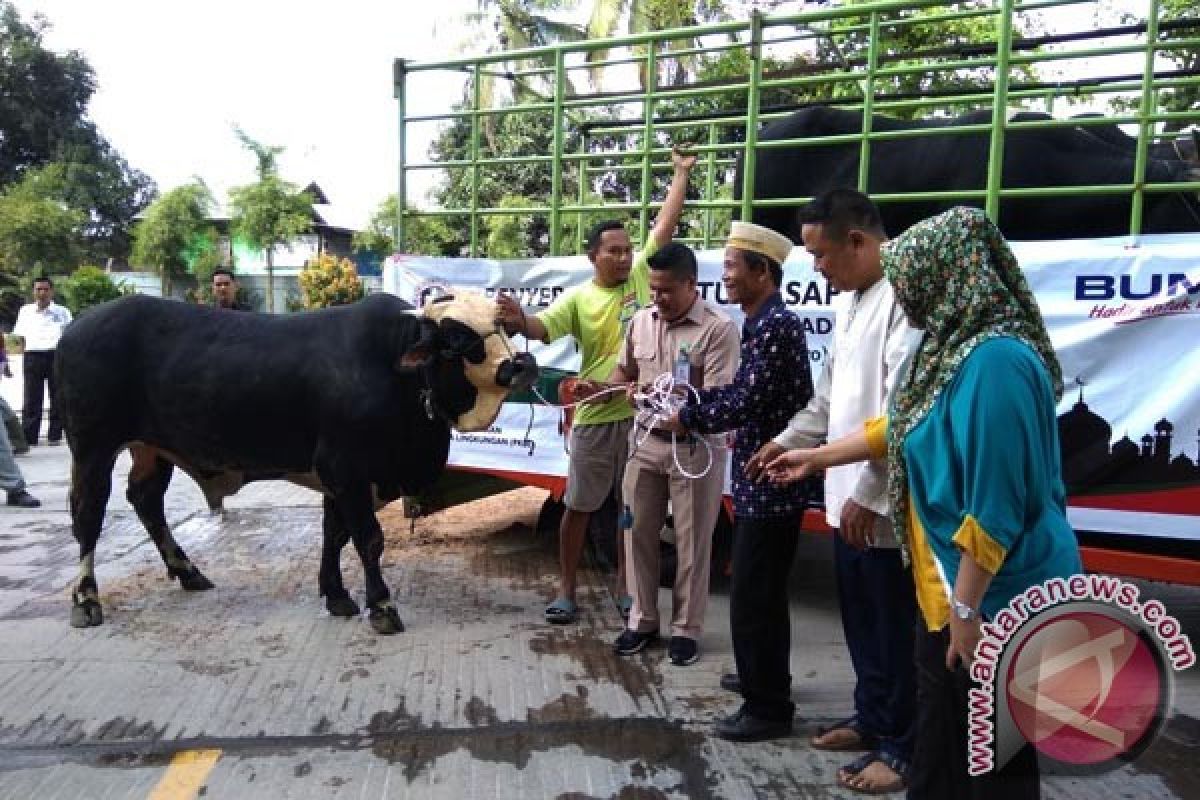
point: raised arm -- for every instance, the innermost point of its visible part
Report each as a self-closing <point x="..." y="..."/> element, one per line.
<point x="668" y="217"/>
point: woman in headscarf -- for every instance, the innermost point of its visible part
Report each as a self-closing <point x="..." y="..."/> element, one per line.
<point x="974" y="473"/>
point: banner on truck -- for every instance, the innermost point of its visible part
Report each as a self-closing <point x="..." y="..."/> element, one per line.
<point x="1124" y="316"/>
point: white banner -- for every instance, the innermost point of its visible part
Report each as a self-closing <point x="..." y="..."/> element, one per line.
<point x="1124" y="318"/>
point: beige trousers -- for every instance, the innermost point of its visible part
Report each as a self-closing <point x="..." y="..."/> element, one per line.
<point x="651" y="480"/>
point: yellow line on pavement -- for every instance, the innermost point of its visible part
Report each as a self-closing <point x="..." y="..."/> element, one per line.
<point x="185" y="775"/>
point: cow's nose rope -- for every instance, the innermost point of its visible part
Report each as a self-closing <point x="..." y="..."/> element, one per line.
<point x="659" y="401"/>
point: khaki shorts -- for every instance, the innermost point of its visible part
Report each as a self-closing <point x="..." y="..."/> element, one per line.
<point x="596" y="464"/>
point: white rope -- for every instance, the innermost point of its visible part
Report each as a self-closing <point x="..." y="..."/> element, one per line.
<point x="657" y="403"/>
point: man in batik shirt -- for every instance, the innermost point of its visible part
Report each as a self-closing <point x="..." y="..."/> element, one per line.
<point x="772" y="382"/>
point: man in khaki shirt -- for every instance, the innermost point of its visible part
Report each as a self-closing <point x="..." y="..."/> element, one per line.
<point x="685" y="336"/>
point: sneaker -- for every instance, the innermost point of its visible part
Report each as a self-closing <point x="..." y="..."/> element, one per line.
<point x="23" y="499"/>
<point x="683" y="651"/>
<point x="631" y="642"/>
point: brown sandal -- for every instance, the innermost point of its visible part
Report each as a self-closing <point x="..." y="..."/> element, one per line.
<point x="849" y="737"/>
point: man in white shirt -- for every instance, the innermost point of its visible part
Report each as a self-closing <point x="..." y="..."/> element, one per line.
<point x="871" y="344"/>
<point x="41" y="323"/>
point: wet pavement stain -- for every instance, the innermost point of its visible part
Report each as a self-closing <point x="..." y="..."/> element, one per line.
<point x="567" y="708"/>
<point x="214" y="670"/>
<point x="653" y="745"/>
<point x="596" y="661"/>
<point x="479" y="713"/>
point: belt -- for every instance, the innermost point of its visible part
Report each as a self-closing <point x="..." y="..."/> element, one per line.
<point x="666" y="436"/>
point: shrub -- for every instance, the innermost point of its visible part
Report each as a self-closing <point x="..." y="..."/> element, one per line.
<point x="90" y="286"/>
<point x="329" y="281"/>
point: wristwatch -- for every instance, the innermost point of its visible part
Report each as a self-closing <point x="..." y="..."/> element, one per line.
<point x="962" y="610"/>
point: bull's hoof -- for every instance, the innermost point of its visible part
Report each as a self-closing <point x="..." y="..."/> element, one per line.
<point x="386" y="619"/>
<point x="341" y="605"/>
<point x="86" y="614"/>
<point x="191" y="579"/>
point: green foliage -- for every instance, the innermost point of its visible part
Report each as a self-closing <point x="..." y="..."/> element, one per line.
<point x="329" y="281"/>
<point x="37" y="227"/>
<point x="836" y="46"/>
<point x="43" y="106"/>
<point x="173" y="231"/>
<point x="271" y="211"/>
<point x="89" y="286"/>
<point x="842" y="45"/>
<point x="1179" y="98"/>
<point x="423" y="235"/>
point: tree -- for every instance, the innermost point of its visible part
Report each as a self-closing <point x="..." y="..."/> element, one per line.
<point x="270" y="212"/>
<point x="89" y="286"/>
<point x="329" y="281"/>
<point x="838" y="44"/>
<point x="173" y="227"/>
<point x="37" y="226"/>
<point x="423" y="235"/>
<point x="43" y="106"/>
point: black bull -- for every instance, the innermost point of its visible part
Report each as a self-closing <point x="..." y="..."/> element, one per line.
<point x="1072" y="156"/>
<point x="355" y="401"/>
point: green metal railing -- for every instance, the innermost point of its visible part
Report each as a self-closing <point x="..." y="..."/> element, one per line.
<point x="614" y="115"/>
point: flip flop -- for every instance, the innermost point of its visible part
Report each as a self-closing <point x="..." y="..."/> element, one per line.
<point x="624" y="605"/>
<point x="862" y="742"/>
<point x="848" y="773"/>
<point x="561" y="612"/>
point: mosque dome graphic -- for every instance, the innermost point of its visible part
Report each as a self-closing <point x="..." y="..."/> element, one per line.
<point x="1134" y="464"/>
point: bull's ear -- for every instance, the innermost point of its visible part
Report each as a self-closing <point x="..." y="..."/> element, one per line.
<point x="419" y="353"/>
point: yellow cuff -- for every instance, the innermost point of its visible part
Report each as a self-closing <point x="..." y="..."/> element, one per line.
<point x="987" y="553"/>
<point x="877" y="436"/>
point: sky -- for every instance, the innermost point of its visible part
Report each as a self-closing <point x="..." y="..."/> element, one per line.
<point x="315" y="77"/>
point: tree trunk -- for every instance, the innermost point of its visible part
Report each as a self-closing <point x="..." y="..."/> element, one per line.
<point x="270" y="280"/>
<point x="164" y="288"/>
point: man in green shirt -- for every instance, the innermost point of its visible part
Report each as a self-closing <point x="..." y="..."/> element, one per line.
<point x="597" y="315"/>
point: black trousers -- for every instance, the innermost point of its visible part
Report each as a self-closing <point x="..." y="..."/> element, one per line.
<point x="39" y="374"/>
<point x="939" y="767"/>
<point x="763" y="551"/>
<point x="879" y="614"/>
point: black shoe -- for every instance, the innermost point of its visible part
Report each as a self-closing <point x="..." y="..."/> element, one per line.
<point x="730" y="682"/>
<point x="745" y="727"/>
<point x="23" y="499"/>
<point x="631" y="642"/>
<point x="20" y="451"/>
<point x="54" y="442"/>
<point x="682" y="651"/>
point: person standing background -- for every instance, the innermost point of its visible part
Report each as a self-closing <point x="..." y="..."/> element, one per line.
<point x="697" y="343"/>
<point x="974" y="474"/>
<point x="872" y="341"/>
<point x="41" y="323"/>
<point x="771" y="382"/>
<point x="225" y="291"/>
<point x="597" y="315"/>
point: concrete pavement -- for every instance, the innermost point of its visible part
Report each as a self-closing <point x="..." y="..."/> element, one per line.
<point x="252" y="690"/>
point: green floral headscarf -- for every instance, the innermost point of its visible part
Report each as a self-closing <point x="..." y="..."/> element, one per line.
<point x="956" y="278"/>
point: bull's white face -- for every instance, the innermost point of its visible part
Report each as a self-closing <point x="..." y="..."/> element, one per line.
<point x="479" y="314"/>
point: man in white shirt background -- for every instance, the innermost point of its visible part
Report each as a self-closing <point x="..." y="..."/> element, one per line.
<point x="41" y="323"/>
<point x="871" y="345"/>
